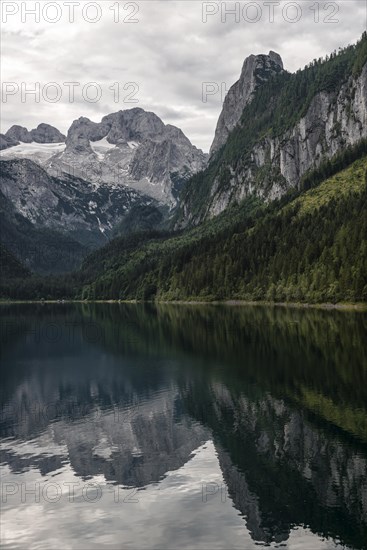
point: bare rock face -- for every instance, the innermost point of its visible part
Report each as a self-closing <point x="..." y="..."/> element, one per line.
<point x="118" y="129"/>
<point x="165" y="155"/>
<point x="334" y="120"/>
<point x="132" y="125"/>
<point x="19" y="133"/>
<point x="132" y="148"/>
<point x="6" y="142"/>
<point x="256" y="70"/>
<point x="44" y="133"/>
<point x="79" y="134"/>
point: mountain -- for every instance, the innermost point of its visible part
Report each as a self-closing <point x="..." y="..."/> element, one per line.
<point x="6" y="142"/>
<point x="10" y="267"/>
<point x="67" y="209"/>
<point x="256" y="70"/>
<point x="122" y="174"/>
<point x="289" y="125"/>
<point x="278" y="214"/>
<point x="132" y="148"/>
<point x="44" y="133"/>
<point x="310" y="247"/>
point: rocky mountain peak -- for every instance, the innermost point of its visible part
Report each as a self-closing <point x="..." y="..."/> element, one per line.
<point x="19" y="133"/>
<point x="118" y="128"/>
<point x="44" y="133"/>
<point x="132" y="148"/>
<point x="132" y="125"/>
<point x="256" y="70"/>
<point x="80" y="133"/>
<point x="275" y="57"/>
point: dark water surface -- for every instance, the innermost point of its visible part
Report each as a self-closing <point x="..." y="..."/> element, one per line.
<point x="136" y="426"/>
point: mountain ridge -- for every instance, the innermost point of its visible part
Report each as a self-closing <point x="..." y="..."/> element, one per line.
<point x="292" y="123"/>
<point x="130" y="147"/>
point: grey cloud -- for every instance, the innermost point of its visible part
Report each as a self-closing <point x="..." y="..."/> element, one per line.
<point x="169" y="53"/>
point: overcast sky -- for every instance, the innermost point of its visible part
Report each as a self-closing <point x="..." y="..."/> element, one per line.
<point x="167" y="53"/>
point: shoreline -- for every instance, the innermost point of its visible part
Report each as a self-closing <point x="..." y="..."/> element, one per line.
<point x="341" y="306"/>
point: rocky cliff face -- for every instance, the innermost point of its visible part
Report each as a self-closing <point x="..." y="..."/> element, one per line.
<point x="334" y="119"/>
<point x="256" y="70"/>
<point x="133" y="148"/>
<point x="44" y="133"/>
<point x="6" y="142"/>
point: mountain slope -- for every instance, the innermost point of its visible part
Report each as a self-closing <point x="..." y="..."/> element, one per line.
<point x="309" y="246"/>
<point x="40" y="249"/>
<point x="313" y="248"/>
<point x="292" y="123"/>
<point x="10" y="267"/>
<point x="67" y="209"/>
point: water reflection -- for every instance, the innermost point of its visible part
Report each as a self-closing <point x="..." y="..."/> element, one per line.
<point x="220" y="426"/>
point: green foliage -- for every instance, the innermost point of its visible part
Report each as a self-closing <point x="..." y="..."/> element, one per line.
<point x="361" y="56"/>
<point x="329" y="167"/>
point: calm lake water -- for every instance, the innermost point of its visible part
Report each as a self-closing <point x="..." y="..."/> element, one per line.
<point x="136" y="427"/>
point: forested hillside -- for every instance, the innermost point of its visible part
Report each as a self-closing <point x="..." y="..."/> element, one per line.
<point x="314" y="248"/>
<point x="10" y="267"/>
<point x="310" y="246"/>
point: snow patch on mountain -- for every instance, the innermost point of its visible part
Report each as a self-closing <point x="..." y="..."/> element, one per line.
<point x="101" y="147"/>
<point x="38" y="152"/>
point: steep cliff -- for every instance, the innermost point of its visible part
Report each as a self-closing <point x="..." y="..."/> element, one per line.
<point x="256" y="70"/>
<point x="290" y="123"/>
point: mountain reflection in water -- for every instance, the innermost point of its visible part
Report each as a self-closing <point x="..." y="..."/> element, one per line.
<point x="141" y="426"/>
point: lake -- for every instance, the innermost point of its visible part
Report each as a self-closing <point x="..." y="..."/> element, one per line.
<point x="141" y="426"/>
